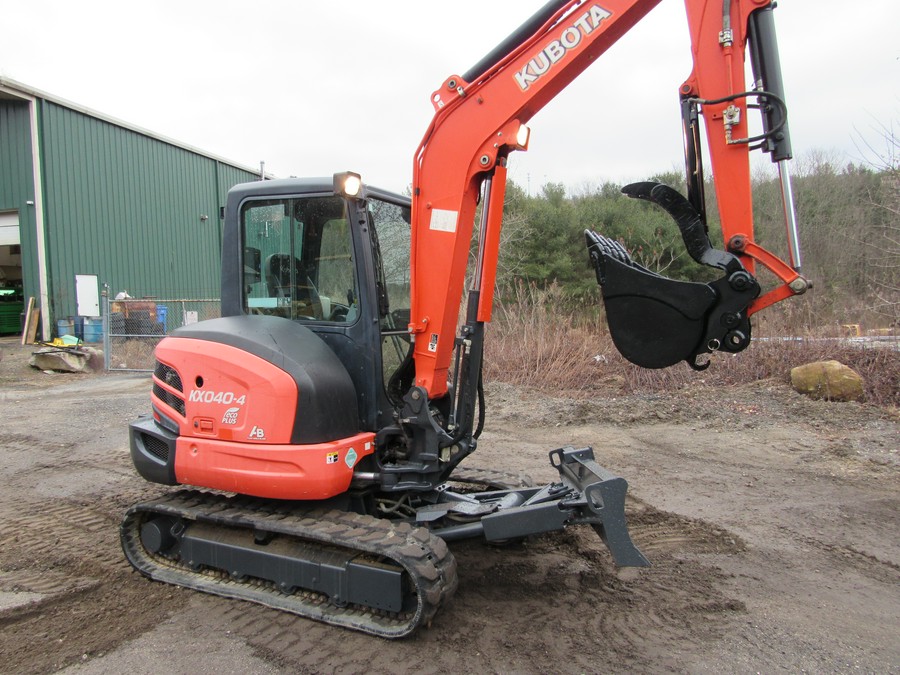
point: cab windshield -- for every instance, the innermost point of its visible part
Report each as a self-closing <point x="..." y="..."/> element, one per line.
<point x="298" y="259"/>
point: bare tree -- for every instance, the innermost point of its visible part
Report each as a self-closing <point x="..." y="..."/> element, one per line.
<point x="885" y="241"/>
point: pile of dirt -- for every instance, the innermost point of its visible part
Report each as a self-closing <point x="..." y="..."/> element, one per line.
<point x="740" y="407"/>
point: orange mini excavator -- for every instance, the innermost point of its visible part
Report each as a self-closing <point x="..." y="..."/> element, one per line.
<point x="326" y="414"/>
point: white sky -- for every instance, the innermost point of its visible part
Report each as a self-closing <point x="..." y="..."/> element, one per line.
<point x="317" y="87"/>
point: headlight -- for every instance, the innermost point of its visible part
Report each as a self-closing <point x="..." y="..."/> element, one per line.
<point x="522" y="137"/>
<point x="348" y="184"/>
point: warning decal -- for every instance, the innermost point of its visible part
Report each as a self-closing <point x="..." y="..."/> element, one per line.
<point x="350" y="459"/>
<point x="443" y="220"/>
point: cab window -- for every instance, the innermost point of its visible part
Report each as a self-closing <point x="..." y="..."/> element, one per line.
<point x="391" y="222"/>
<point x="298" y="259"/>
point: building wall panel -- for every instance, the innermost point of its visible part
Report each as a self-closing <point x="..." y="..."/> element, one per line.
<point x="138" y="212"/>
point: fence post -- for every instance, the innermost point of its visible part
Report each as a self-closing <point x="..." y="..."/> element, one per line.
<point x="106" y="324"/>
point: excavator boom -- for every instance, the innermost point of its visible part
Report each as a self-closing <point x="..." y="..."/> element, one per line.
<point x="480" y="118"/>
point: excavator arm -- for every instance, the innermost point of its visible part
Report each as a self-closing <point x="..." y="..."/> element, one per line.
<point x="481" y="115"/>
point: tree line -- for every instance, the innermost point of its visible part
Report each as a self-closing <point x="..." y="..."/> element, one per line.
<point x="849" y="218"/>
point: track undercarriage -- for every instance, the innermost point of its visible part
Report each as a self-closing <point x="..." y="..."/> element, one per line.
<point x="347" y="569"/>
<point x="384" y="576"/>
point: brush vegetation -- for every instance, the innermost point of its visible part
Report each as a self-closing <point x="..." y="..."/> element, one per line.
<point x="549" y="330"/>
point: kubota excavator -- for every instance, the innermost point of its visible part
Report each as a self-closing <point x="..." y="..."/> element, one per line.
<point x="338" y="394"/>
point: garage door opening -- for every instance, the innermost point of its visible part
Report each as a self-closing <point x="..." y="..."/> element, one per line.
<point x="11" y="300"/>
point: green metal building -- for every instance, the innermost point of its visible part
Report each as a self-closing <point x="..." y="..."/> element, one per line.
<point x="87" y="197"/>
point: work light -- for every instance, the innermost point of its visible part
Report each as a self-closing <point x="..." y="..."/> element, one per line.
<point x="348" y="184"/>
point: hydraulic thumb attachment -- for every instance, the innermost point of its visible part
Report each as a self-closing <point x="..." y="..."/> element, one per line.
<point x="654" y="321"/>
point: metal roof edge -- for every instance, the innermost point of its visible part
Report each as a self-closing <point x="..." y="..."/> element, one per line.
<point x="13" y="87"/>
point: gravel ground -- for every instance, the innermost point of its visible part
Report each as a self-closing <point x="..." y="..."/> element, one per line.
<point x="771" y="521"/>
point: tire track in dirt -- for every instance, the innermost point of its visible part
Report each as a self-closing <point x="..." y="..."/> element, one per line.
<point x="12" y="442"/>
<point x="620" y="613"/>
<point x="67" y="552"/>
<point x="847" y="555"/>
<point x="565" y="581"/>
<point x="32" y="463"/>
<point x="82" y="621"/>
<point x="23" y="453"/>
<point x="44" y="582"/>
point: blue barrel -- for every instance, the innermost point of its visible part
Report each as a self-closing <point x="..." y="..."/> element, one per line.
<point x="93" y="329"/>
<point x="162" y="312"/>
<point x="65" y="327"/>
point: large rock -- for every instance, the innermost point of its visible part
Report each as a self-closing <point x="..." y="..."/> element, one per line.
<point x="95" y="357"/>
<point x="62" y="360"/>
<point x="831" y="380"/>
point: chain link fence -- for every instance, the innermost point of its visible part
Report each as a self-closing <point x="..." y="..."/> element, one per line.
<point x="133" y="327"/>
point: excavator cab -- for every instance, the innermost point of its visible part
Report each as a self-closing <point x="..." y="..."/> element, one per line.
<point x="335" y="263"/>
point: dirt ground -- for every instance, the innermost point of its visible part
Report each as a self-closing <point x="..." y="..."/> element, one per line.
<point x="772" y="522"/>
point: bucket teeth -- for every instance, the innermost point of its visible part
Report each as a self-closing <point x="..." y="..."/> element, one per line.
<point x="610" y="247"/>
<point x="615" y="250"/>
<point x="602" y="249"/>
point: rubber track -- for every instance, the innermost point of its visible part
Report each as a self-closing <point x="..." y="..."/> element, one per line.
<point x="425" y="557"/>
<point x="496" y="480"/>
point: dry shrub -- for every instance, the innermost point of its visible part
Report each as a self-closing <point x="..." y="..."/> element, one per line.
<point x="134" y="354"/>
<point x="535" y="341"/>
<point x="878" y="364"/>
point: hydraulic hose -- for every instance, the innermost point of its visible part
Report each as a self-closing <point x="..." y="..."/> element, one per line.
<point x="744" y="94"/>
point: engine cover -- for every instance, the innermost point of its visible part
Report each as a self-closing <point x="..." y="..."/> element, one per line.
<point x="254" y="405"/>
<point x="258" y="379"/>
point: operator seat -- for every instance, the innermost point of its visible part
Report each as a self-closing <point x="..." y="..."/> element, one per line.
<point x="302" y="293"/>
<point x="278" y="274"/>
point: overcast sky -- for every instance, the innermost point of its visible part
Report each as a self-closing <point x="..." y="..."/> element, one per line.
<point x="318" y="87"/>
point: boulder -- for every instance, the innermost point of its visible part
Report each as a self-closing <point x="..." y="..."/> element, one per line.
<point x="61" y="360"/>
<point x="829" y="380"/>
<point x="95" y="358"/>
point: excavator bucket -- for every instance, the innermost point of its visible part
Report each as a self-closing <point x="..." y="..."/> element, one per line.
<point x="654" y="321"/>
